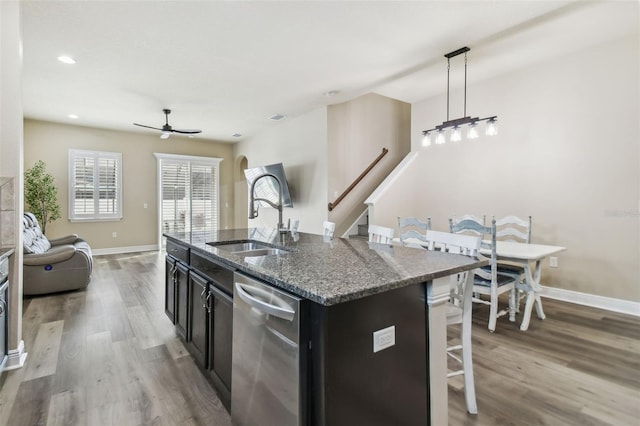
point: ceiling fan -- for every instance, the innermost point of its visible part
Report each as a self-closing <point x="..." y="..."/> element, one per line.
<point x="166" y="129"/>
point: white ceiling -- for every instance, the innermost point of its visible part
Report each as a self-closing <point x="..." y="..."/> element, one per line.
<point x="226" y="66"/>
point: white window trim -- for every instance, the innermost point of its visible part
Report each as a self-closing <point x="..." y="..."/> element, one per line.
<point x="74" y="153"/>
<point x="209" y="161"/>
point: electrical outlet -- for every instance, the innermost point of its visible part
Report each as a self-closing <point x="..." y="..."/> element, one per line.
<point x="553" y="262"/>
<point x="145" y="205"/>
<point x="383" y="339"/>
<point x="114" y="234"/>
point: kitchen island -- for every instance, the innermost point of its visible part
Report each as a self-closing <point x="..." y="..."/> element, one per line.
<point x="373" y="322"/>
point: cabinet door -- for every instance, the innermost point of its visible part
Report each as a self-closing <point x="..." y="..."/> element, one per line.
<point x="198" y="319"/>
<point x="170" y="289"/>
<point x="221" y="336"/>
<point x="182" y="299"/>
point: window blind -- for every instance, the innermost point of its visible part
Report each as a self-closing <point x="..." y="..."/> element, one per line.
<point x="189" y="191"/>
<point x="95" y="185"/>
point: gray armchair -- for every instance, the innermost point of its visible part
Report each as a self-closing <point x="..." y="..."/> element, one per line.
<point x="54" y="265"/>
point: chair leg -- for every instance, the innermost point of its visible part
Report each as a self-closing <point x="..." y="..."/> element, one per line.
<point x="512" y="304"/>
<point x="493" y="311"/>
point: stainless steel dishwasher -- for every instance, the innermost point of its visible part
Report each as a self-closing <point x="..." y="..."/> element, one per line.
<point x="268" y="386"/>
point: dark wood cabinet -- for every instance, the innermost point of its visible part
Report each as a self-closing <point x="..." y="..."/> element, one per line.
<point x="220" y="340"/>
<point x="176" y="297"/>
<point x="170" y="288"/>
<point x="199" y="301"/>
<point x="181" y="283"/>
<point x="198" y="340"/>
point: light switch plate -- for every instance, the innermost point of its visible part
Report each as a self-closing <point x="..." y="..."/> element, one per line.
<point x="384" y="338"/>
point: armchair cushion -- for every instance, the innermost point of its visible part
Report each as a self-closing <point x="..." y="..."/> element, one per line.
<point x="50" y="266"/>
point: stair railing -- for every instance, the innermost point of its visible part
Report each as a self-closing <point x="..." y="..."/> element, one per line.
<point x="358" y="179"/>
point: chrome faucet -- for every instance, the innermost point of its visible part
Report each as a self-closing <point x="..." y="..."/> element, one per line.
<point x="253" y="209"/>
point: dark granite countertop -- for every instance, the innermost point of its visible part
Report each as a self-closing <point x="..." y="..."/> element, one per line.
<point x="329" y="272"/>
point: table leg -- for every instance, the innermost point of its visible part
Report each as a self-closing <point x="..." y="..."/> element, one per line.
<point x="533" y="296"/>
<point x="536" y="289"/>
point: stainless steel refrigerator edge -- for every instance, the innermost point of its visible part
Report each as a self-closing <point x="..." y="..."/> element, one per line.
<point x="269" y="355"/>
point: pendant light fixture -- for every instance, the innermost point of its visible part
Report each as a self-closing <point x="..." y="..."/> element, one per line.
<point x="456" y="125"/>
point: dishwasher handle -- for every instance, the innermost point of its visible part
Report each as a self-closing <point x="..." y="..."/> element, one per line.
<point x="283" y="311"/>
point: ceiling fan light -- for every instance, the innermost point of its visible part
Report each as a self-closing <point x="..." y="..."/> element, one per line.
<point x="165" y="135"/>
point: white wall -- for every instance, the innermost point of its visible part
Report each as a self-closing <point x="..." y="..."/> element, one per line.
<point x="567" y="154"/>
<point x="300" y="143"/>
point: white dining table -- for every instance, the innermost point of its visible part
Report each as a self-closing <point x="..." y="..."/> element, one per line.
<point x="525" y="254"/>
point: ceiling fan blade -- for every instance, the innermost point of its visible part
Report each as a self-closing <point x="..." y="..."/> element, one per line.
<point x="148" y="127"/>
<point x="186" y="131"/>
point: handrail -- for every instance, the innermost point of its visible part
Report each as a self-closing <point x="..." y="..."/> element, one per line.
<point x="358" y="179"/>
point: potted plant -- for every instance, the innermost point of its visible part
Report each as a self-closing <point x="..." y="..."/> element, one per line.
<point x="41" y="194"/>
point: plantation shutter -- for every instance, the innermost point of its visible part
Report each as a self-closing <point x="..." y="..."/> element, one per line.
<point x="95" y="185"/>
<point x="189" y="191"/>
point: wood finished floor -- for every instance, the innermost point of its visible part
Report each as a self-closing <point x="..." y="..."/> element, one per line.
<point x="109" y="356"/>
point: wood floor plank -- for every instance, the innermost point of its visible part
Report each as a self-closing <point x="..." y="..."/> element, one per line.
<point x="32" y="402"/>
<point x="45" y="350"/>
<point x="68" y="409"/>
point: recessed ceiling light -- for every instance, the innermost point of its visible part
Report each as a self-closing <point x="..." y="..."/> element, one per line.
<point x="331" y="93"/>
<point x="66" y="59"/>
<point x="236" y="135"/>
<point x="277" y="117"/>
<point x="74" y="116"/>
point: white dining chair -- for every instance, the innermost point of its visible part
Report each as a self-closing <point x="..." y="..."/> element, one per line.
<point x="513" y="228"/>
<point x="459" y="307"/>
<point x="380" y="234"/>
<point x="413" y="231"/>
<point x="328" y="228"/>
<point x="487" y="281"/>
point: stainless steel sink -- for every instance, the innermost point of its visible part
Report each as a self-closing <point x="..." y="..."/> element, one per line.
<point x="250" y="248"/>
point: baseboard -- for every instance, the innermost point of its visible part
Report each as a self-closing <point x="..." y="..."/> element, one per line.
<point x="601" y="302"/>
<point x="17" y="357"/>
<point x="121" y="250"/>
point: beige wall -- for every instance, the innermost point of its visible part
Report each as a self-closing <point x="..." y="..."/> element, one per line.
<point x="357" y="131"/>
<point x="567" y="154"/>
<point x="50" y="142"/>
<point x="300" y="143"/>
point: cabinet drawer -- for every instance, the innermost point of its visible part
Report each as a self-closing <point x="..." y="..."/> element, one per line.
<point x="222" y="276"/>
<point x="178" y="251"/>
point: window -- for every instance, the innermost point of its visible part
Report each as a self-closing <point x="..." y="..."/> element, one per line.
<point x="95" y="189"/>
<point x="189" y="191"/>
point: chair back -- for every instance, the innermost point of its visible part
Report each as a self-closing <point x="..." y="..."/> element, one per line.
<point x="512" y="228"/>
<point x="468" y="224"/>
<point x="453" y="243"/>
<point x="380" y="234"/>
<point x="328" y="228"/>
<point x="472" y="226"/>
<point x="413" y="231"/>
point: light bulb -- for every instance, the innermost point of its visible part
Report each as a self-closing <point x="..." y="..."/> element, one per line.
<point x="456" y="134"/>
<point x="440" y="139"/>
<point x="426" y="139"/>
<point x="492" y="127"/>
<point x="472" y="132"/>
